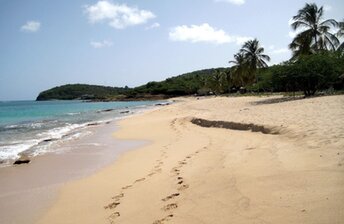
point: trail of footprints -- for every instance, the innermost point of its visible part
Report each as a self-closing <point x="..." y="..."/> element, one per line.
<point x="117" y="198"/>
<point x="175" y="171"/>
<point x="181" y="185"/>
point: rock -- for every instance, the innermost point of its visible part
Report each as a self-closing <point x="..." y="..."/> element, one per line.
<point x="106" y="110"/>
<point x="162" y="104"/>
<point x="22" y="160"/>
<point x="49" y="139"/>
<point x="93" y="124"/>
<point x="125" y="112"/>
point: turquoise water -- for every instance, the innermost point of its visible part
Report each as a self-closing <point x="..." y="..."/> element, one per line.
<point x="31" y="126"/>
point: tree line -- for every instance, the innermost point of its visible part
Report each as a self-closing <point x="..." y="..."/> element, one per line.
<point x="317" y="60"/>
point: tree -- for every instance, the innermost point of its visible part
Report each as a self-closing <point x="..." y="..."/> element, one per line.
<point x="310" y="73"/>
<point x="301" y="46"/>
<point x="314" y="33"/>
<point x="216" y="82"/>
<point x="340" y="34"/>
<point x="254" y="58"/>
<point x="238" y="70"/>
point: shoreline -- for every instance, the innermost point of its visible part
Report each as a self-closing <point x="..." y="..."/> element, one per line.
<point x="191" y="173"/>
<point x="29" y="189"/>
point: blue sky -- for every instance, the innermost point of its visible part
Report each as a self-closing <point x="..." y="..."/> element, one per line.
<point x="117" y="43"/>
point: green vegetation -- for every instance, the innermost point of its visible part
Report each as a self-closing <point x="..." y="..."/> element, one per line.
<point x="81" y="91"/>
<point x="317" y="64"/>
<point x="323" y="71"/>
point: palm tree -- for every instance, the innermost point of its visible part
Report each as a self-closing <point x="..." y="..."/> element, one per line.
<point x="340" y="34"/>
<point x="301" y="46"/>
<point x="238" y="70"/>
<point x="216" y="82"/>
<point x="254" y="58"/>
<point x="315" y="32"/>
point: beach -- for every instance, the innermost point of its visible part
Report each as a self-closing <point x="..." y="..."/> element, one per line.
<point x="245" y="160"/>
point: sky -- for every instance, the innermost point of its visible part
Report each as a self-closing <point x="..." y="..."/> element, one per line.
<point x="44" y="43"/>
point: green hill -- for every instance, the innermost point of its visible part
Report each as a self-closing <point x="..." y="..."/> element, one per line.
<point x="81" y="91"/>
<point x="186" y="84"/>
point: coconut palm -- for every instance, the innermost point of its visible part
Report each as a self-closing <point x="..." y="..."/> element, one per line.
<point x="301" y="46"/>
<point x="314" y="30"/>
<point x="238" y="70"/>
<point x="340" y="34"/>
<point x="254" y="58"/>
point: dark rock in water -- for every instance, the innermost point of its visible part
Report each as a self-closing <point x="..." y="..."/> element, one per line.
<point x="49" y="139"/>
<point x="22" y="160"/>
<point x="162" y="104"/>
<point x="106" y="110"/>
<point x="125" y="112"/>
<point x="108" y="122"/>
<point x="92" y="124"/>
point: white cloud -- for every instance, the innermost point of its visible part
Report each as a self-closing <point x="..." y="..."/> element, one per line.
<point x="153" y="26"/>
<point x="204" y="33"/>
<point x="241" y="40"/>
<point x="235" y="2"/>
<point x="101" y="44"/>
<point x="31" y="26"/>
<point x="116" y="15"/>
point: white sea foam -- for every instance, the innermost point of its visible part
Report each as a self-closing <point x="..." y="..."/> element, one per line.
<point x="12" y="151"/>
<point x="71" y="114"/>
<point x="43" y="136"/>
<point x="60" y="132"/>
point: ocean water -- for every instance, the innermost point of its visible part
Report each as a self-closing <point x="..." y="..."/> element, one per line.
<point x="30" y="127"/>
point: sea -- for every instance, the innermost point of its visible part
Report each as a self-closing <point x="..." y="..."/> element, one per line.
<point x="32" y="127"/>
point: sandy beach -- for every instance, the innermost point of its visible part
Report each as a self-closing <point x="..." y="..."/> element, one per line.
<point x="289" y="169"/>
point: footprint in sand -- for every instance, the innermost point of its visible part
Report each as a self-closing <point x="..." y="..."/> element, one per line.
<point x="183" y="187"/>
<point x="117" y="197"/>
<point x="151" y="174"/>
<point x="182" y="162"/>
<point x="115" y="215"/>
<point x="126" y="187"/>
<point x="139" y="180"/>
<point x="158" y="170"/>
<point x="171" y="196"/>
<point x="170" y="207"/>
<point x="176" y="171"/>
<point x="161" y="221"/>
<point x="112" y="205"/>
<point x="244" y="203"/>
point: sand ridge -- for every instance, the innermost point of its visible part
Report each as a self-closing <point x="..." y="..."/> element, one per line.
<point x="192" y="174"/>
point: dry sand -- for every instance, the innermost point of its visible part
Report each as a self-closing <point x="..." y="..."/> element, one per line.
<point x="193" y="174"/>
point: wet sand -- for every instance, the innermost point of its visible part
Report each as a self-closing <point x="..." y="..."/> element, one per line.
<point x="28" y="190"/>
